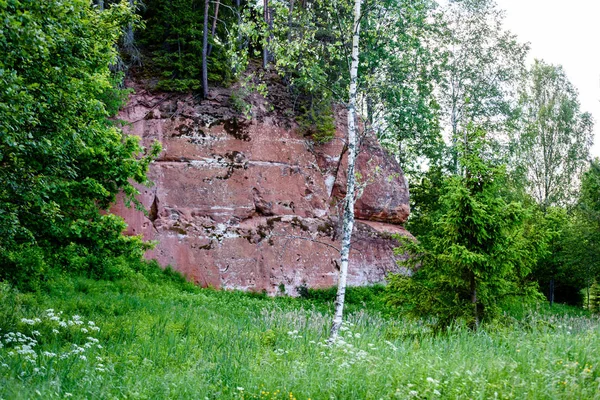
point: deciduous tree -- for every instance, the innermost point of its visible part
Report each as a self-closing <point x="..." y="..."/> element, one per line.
<point x="553" y="144"/>
<point x="484" y="67"/>
<point x="61" y="160"/>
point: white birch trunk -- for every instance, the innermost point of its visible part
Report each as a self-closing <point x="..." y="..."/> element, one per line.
<point x="348" y="221"/>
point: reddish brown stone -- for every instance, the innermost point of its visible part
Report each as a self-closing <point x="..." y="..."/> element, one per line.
<point x="381" y="184"/>
<point x="253" y="205"/>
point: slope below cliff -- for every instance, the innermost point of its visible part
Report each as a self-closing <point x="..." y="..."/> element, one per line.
<point x="250" y="203"/>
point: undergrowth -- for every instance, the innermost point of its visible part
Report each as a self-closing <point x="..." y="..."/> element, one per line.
<point x="154" y="336"/>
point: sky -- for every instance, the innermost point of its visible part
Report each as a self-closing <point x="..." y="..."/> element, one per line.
<point x="567" y="33"/>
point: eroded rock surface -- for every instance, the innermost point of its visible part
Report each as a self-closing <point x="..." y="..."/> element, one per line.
<point x="251" y="204"/>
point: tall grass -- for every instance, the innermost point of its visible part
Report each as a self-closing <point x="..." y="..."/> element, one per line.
<point x="167" y="340"/>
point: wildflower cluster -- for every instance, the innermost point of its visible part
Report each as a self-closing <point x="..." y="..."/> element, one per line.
<point x="23" y="346"/>
<point x="344" y="351"/>
<point x="48" y="337"/>
<point x="430" y="388"/>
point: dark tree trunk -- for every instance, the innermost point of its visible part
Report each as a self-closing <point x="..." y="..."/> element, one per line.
<point x="290" y="19"/>
<point x="205" y="51"/>
<point x="268" y="22"/>
<point x="214" y="25"/>
<point x="551" y="292"/>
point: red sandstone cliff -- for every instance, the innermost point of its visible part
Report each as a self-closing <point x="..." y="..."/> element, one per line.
<point x="251" y="204"/>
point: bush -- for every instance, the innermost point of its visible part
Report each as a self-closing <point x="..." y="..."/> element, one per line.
<point x="357" y="297"/>
<point x="479" y="252"/>
<point x="318" y="122"/>
<point x="62" y="160"/>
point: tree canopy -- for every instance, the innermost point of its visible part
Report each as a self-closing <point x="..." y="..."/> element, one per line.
<point x="62" y="161"/>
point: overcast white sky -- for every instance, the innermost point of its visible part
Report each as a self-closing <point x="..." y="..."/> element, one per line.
<point x="567" y="33"/>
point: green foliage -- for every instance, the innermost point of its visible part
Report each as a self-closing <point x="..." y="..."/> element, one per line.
<point x="115" y="96"/>
<point x="173" y="37"/>
<point x="578" y="245"/>
<point x="246" y="86"/>
<point x="555" y="136"/>
<point x="61" y="160"/>
<point x="480" y="250"/>
<point x="357" y="297"/>
<point x="425" y="204"/>
<point x="158" y="341"/>
<point x="239" y="103"/>
<point x="318" y="123"/>
<point x="589" y="201"/>
<point x="570" y="268"/>
<point x="311" y="50"/>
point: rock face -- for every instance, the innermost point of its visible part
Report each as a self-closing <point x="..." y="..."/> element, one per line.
<point x="251" y="204"/>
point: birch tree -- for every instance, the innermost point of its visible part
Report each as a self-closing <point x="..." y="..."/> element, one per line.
<point x="485" y="64"/>
<point x="554" y="143"/>
<point x="348" y="221"/>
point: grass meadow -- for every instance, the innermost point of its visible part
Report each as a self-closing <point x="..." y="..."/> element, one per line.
<point x="160" y="338"/>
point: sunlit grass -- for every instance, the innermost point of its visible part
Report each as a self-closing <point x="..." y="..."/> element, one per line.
<point x="170" y="341"/>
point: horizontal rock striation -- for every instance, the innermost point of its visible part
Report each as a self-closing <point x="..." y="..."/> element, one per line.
<point x="251" y="204"/>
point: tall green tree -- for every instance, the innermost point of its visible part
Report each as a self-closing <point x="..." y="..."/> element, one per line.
<point x="586" y="246"/>
<point x="403" y="63"/>
<point x="479" y="252"/>
<point x="61" y="160"/>
<point x="553" y="144"/>
<point x="484" y="67"/>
